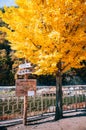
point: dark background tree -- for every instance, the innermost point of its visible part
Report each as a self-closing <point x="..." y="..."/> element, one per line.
<point x="6" y="75"/>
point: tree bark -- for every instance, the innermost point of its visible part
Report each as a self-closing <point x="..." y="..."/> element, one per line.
<point x="59" y="111"/>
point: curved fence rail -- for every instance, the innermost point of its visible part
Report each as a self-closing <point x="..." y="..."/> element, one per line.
<point x="11" y="107"/>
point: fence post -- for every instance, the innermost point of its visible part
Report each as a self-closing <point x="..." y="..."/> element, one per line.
<point x="85" y="101"/>
<point x="3" y="110"/>
<point x="42" y="104"/>
<point x="8" y="104"/>
<point x="76" y="98"/>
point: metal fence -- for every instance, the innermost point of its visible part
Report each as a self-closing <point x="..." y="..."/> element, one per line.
<point x="74" y="97"/>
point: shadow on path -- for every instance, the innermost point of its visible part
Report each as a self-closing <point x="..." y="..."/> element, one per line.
<point x="40" y="122"/>
<point x="78" y="113"/>
<point x="3" y="128"/>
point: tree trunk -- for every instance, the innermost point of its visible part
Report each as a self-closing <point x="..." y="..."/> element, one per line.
<point x="59" y="111"/>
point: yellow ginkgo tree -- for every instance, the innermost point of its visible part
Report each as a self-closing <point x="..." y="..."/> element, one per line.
<point x="49" y="33"/>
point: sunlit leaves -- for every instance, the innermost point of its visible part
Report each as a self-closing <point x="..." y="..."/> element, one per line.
<point x="47" y="31"/>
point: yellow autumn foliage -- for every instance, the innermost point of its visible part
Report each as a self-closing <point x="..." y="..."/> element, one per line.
<point x="48" y="31"/>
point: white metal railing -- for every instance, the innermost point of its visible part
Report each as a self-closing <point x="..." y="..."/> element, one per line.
<point x="74" y="97"/>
